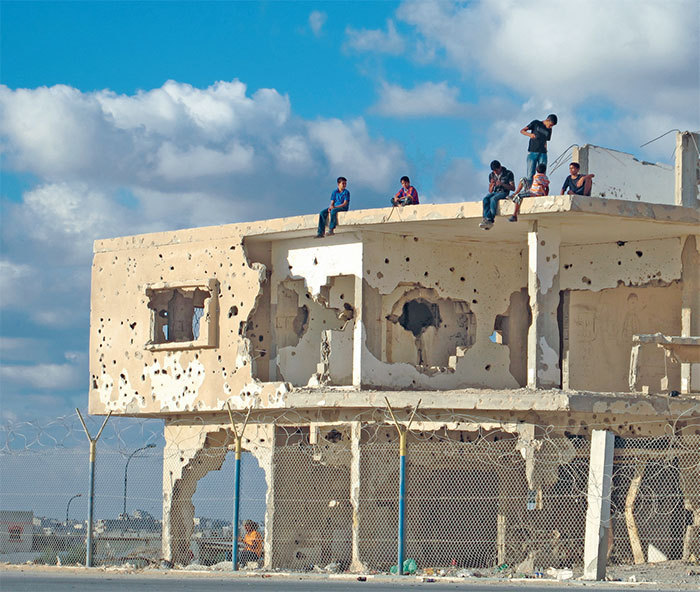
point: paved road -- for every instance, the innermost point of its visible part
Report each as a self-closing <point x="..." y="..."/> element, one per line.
<point x="16" y="581"/>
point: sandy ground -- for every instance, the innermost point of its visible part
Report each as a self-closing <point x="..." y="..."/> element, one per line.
<point x="670" y="575"/>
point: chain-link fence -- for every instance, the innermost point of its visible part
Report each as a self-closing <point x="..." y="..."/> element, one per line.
<point x="474" y="499"/>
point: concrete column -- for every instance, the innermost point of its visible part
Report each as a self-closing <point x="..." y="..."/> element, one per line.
<point x="356" y="564"/>
<point x="579" y="154"/>
<point x="687" y="169"/>
<point x="598" y="513"/>
<point x="358" y="334"/>
<point x="690" y="308"/>
<point x="543" y="289"/>
<point x="268" y="464"/>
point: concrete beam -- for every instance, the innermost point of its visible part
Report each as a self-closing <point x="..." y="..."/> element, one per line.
<point x="598" y="513"/>
<point x="687" y="165"/>
<point x="543" y="289"/>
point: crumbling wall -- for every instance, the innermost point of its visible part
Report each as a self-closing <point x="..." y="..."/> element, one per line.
<point x="616" y="290"/>
<point x="619" y="175"/>
<point x="132" y="369"/>
<point x="469" y="287"/>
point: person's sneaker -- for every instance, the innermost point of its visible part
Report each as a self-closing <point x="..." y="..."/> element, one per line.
<point x="486" y="224"/>
<point x="331" y="232"/>
<point x="319" y="236"/>
<point x="513" y="218"/>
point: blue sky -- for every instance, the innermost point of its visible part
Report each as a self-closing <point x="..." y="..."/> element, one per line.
<point x="124" y="117"/>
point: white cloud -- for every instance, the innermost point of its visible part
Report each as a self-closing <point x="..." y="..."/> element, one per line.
<point x="375" y="40"/>
<point x="351" y="152"/>
<point x="424" y="100"/>
<point x="44" y="376"/>
<point x="642" y="54"/>
<point x="316" y="21"/>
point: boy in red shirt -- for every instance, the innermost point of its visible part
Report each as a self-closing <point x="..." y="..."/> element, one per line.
<point x="539" y="187"/>
<point x="407" y="195"/>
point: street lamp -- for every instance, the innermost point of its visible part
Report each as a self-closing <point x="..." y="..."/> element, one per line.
<point x="68" y="506"/>
<point x="126" y="468"/>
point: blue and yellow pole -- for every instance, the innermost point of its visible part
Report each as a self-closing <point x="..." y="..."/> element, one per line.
<point x="402" y="498"/>
<point x="236" y="486"/>
<point x="403" y="433"/>
<point x="236" y="505"/>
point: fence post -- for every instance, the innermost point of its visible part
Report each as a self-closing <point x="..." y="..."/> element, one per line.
<point x="236" y="486"/>
<point x="402" y="430"/>
<point x="91" y="501"/>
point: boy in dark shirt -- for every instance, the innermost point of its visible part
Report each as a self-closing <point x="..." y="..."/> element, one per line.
<point x="340" y="202"/>
<point x="576" y="184"/>
<point x="501" y="183"/>
<point x="539" y="132"/>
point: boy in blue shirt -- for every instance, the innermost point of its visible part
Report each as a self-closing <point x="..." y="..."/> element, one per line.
<point x="340" y="202"/>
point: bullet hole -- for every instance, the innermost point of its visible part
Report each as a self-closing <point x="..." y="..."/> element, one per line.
<point x="487" y="367"/>
<point x="619" y="262"/>
<point x="133" y="325"/>
<point x="172" y="268"/>
<point x="233" y="311"/>
<point x="568" y="265"/>
<point x="475" y="302"/>
<point x="260" y="338"/>
<point x="639" y="253"/>
<point x="585" y="280"/>
<point x="342" y="296"/>
<point x="452" y="269"/>
<point x="143" y="377"/>
<point x="386" y="260"/>
<point x="315" y="261"/>
<point x="408" y="259"/>
<point x="461" y="279"/>
<point x="621" y="243"/>
<point x="425" y="274"/>
<point x="232" y="248"/>
<point x="94" y="384"/>
<point x="542" y="243"/>
<point x="160" y="255"/>
<point x="380" y="275"/>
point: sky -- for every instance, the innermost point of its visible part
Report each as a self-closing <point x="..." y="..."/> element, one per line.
<point x="118" y="118"/>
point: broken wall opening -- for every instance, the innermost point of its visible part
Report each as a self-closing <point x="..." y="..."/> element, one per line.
<point x="177" y="314"/>
<point x="213" y="505"/>
<point x="313" y="335"/>
<point x="424" y="330"/>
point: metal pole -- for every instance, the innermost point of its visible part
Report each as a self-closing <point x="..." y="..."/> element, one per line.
<point x="126" y="468"/>
<point x="403" y="432"/>
<point x="236" y="505"/>
<point x="91" y="503"/>
<point x="93" y="452"/>
<point x="236" y="486"/>
<point x="68" y="505"/>
<point x="402" y="498"/>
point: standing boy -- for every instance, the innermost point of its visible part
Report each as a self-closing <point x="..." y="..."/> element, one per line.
<point x="340" y="202"/>
<point x="539" y="132"/>
<point x="575" y="183"/>
<point x="539" y="187"/>
<point x="501" y="183"/>
<point x="407" y="195"/>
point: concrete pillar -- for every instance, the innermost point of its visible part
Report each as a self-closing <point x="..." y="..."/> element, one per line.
<point x="358" y="334"/>
<point x="543" y="289"/>
<point x="687" y="168"/>
<point x="579" y="154"/>
<point x="267" y="463"/>
<point x="356" y="564"/>
<point x="598" y="513"/>
<point x="690" y="308"/>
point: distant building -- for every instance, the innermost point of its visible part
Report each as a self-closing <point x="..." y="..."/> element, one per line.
<point x="16" y="531"/>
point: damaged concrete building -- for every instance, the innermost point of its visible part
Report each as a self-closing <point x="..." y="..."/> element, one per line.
<point x="546" y="354"/>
